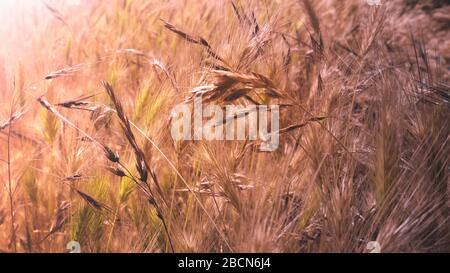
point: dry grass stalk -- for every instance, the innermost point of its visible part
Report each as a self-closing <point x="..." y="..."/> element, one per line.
<point x="231" y="86"/>
<point x="64" y="72"/>
<point x="363" y="152"/>
<point x="142" y="165"/>
<point x="196" y="40"/>
<point x="314" y="19"/>
<point x="93" y="202"/>
<point x="244" y="19"/>
<point x="60" y="220"/>
<point x="56" y="13"/>
<point x="11" y="120"/>
<point x="154" y="62"/>
<point x="141" y="161"/>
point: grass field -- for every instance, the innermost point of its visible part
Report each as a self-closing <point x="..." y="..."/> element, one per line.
<point x="87" y="90"/>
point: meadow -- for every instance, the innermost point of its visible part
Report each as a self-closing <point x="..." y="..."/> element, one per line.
<point x="87" y="90"/>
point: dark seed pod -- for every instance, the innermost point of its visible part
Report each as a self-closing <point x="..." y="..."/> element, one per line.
<point x="113" y="157"/>
<point x="142" y="169"/>
<point x="117" y="171"/>
<point x="152" y="201"/>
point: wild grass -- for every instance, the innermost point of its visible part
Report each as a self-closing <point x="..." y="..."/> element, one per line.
<point x="86" y="94"/>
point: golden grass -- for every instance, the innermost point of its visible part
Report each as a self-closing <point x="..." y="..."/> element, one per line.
<point x="86" y="94"/>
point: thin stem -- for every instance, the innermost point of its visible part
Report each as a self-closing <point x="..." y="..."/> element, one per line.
<point x="10" y="193"/>
<point x="112" y="228"/>
<point x="156" y="205"/>
<point x="184" y="182"/>
<point x="167" y="232"/>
